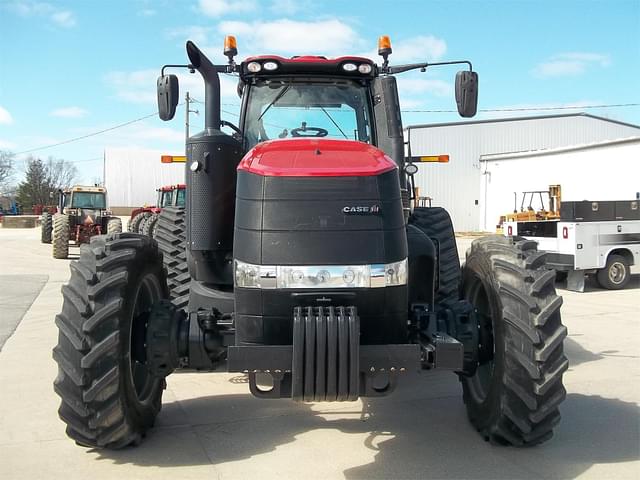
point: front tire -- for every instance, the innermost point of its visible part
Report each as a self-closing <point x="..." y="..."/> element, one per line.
<point x="60" y="236"/>
<point x="615" y="275"/>
<point x="46" y="227"/>
<point x="109" y="398"/>
<point x="513" y="396"/>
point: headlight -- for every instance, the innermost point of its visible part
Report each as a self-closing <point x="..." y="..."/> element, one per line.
<point x="364" y="68"/>
<point x="271" y="66"/>
<point x="396" y="273"/>
<point x="254" y="276"/>
<point x="326" y="276"/>
<point x="349" y="67"/>
<point x="254" y="67"/>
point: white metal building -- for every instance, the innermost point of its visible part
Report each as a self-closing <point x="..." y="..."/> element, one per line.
<point x="132" y="176"/>
<point x="559" y="149"/>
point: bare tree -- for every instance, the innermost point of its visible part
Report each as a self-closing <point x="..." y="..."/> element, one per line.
<point x="6" y="170"/>
<point x="43" y="180"/>
<point x="60" y="173"/>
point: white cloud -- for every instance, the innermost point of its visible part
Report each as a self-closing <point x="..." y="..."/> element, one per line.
<point x="219" y="8"/>
<point x="194" y="33"/>
<point x="287" y="7"/>
<point x="5" y="144"/>
<point x="330" y="37"/>
<point x="29" y="8"/>
<point x="147" y="12"/>
<point x="69" y="112"/>
<point x="570" y="64"/>
<point x="64" y="19"/>
<point x="139" y="87"/>
<point x="144" y="132"/>
<point x="422" y="48"/>
<point x="5" y="117"/>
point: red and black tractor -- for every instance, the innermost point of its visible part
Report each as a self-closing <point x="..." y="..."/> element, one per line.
<point x="302" y="260"/>
<point x="144" y="219"/>
<point x="80" y="215"/>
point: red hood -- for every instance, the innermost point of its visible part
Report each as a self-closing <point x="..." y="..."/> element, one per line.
<point x="304" y="157"/>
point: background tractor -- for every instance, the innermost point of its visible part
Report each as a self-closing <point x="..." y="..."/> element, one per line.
<point x="144" y="219"/>
<point x="308" y="266"/>
<point x="82" y="214"/>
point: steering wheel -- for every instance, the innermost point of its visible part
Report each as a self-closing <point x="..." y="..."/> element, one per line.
<point x="315" y="131"/>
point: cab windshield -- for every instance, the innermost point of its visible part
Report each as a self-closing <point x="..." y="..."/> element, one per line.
<point x="88" y="200"/>
<point x="180" y="200"/>
<point x="294" y="109"/>
<point x="166" y="198"/>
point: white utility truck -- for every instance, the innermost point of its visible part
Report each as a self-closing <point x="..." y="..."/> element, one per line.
<point x="601" y="238"/>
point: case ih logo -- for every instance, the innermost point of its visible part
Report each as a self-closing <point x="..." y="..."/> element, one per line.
<point x="361" y="210"/>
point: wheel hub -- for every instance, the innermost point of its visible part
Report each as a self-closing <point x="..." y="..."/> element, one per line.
<point x="617" y="272"/>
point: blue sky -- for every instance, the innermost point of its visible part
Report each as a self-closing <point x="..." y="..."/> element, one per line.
<point x="71" y="68"/>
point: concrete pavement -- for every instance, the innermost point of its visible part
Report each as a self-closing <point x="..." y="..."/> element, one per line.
<point x="211" y="427"/>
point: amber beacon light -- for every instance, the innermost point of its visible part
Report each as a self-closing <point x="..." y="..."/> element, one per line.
<point x="230" y="46"/>
<point x="384" y="46"/>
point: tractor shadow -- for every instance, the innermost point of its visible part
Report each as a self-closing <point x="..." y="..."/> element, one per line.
<point x="409" y="436"/>
<point x="577" y="354"/>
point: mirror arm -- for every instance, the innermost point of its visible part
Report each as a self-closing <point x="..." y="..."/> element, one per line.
<point x="219" y="68"/>
<point x="423" y="66"/>
<point x="190" y="67"/>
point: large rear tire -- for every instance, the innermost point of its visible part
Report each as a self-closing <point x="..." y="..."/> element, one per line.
<point x="171" y="237"/>
<point x="60" y="236"/>
<point x="137" y="220"/>
<point x="150" y="226"/>
<point x="46" y="227"/>
<point x="514" y="395"/>
<point x="436" y="223"/>
<point x="109" y="398"/>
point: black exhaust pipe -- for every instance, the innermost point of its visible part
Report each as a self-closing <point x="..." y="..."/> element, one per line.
<point x="211" y="187"/>
<point x="212" y="85"/>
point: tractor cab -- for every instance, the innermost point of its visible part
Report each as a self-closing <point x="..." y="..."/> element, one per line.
<point x="306" y="97"/>
<point x="80" y="197"/>
<point x="179" y="195"/>
<point x="165" y="197"/>
<point x="83" y="204"/>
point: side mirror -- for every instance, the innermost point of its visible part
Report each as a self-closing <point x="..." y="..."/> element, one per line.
<point x="467" y="93"/>
<point x="168" y="93"/>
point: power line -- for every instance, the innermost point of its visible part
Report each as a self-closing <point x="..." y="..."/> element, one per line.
<point x="524" y="109"/>
<point x="93" y="134"/>
<point x="531" y="109"/>
<point x="86" y="160"/>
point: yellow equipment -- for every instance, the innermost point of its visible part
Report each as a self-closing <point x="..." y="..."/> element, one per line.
<point x="528" y="213"/>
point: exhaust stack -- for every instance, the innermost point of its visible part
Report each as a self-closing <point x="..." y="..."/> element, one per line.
<point x="212" y="85"/>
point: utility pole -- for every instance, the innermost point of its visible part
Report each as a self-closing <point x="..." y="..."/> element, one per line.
<point x="187" y="101"/>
